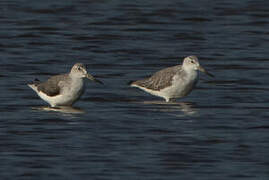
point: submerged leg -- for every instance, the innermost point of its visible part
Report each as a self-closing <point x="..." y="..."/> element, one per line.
<point x="173" y="100"/>
<point x="167" y="99"/>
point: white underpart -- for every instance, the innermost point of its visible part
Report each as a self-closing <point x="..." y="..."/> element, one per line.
<point x="70" y="92"/>
<point x="179" y="88"/>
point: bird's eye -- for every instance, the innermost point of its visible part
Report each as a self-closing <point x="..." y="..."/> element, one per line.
<point x="192" y="61"/>
<point x="79" y="68"/>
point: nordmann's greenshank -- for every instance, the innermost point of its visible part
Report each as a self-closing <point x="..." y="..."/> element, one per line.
<point x="63" y="89"/>
<point x="173" y="82"/>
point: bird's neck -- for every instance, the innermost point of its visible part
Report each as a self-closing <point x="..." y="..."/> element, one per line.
<point x="75" y="76"/>
<point x="190" y="72"/>
<point x="187" y="69"/>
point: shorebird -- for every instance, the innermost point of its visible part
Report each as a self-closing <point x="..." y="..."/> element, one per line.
<point x="173" y="82"/>
<point x="63" y="89"/>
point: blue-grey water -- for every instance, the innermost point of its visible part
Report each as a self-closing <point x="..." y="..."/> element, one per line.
<point x="219" y="131"/>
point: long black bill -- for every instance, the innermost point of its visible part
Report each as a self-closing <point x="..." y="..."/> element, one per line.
<point x="90" y="77"/>
<point x="204" y="71"/>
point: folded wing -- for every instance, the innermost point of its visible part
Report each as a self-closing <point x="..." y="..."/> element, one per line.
<point x="158" y="80"/>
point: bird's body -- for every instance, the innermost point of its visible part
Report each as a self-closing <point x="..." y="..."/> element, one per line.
<point x="64" y="89"/>
<point x="60" y="90"/>
<point x="172" y="82"/>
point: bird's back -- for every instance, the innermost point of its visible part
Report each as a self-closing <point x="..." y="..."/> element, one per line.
<point x="159" y="80"/>
<point x="51" y="86"/>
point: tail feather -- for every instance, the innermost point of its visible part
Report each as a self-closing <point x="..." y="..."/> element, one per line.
<point x="130" y="83"/>
<point x="34" y="84"/>
<point x="36" y="80"/>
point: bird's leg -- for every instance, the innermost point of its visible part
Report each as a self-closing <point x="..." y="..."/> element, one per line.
<point x="172" y="100"/>
<point x="167" y="99"/>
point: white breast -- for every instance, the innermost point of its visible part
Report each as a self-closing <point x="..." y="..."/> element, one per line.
<point x="73" y="91"/>
<point x="70" y="92"/>
<point x="180" y="86"/>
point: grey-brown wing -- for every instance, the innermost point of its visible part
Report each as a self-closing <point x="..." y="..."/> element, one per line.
<point x="51" y="86"/>
<point x="160" y="79"/>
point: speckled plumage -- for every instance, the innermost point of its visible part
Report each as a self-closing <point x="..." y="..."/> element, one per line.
<point x="160" y="79"/>
<point x="173" y="82"/>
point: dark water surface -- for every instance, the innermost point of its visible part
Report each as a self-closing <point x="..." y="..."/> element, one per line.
<point x="220" y="131"/>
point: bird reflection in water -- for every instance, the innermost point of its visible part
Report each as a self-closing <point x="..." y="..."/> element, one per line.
<point x="62" y="109"/>
<point x="185" y="107"/>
